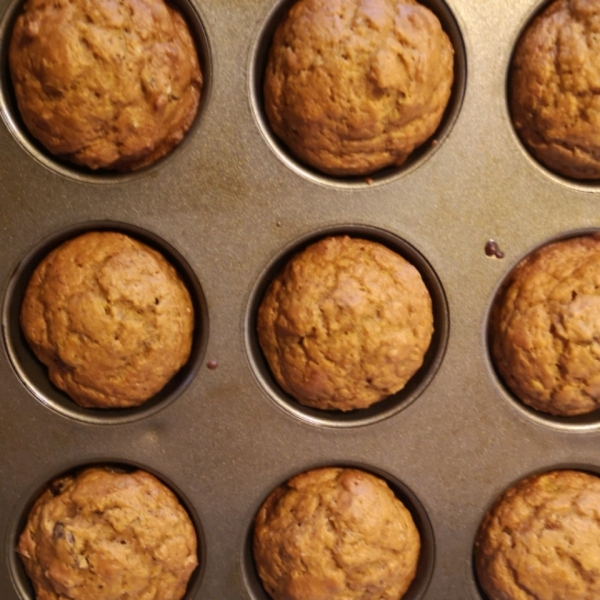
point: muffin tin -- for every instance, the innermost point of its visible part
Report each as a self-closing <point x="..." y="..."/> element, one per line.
<point x="228" y="206"/>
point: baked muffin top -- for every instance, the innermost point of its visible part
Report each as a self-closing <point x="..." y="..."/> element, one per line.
<point x="540" y="540"/>
<point x="335" y="534"/>
<point x="102" y="535"/>
<point x="354" y="86"/>
<point x="553" y="88"/>
<point x="110" y="318"/>
<point x="345" y="324"/>
<point x="545" y="326"/>
<point x="105" y="84"/>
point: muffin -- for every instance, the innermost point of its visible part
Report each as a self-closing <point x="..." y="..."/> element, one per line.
<point x="107" y="535"/>
<point x="110" y="318"/>
<point x="540" y="540"/>
<point x="345" y="324"/>
<point x="335" y="534"/>
<point x="553" y="87"/>
<point x="352" y="87"/>
<point x="106" y="85"/>
<point x="545" y="327"/>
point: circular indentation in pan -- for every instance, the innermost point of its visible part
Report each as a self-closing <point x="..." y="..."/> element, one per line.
<point x="384" y="408"/>
<point x="586" y="422"/>
<point x="581" y="184"/>
<point x="426" y="562"/>
<point x="20" y="579"/>
<point x="259" y="56"/>
<point x="34" y="374"/>
<point x="10" y="111"/>
<point x="478" y="591"/>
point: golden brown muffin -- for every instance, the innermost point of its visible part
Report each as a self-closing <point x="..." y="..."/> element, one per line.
<point x="540" y="540"/>
<point x="335" y="534"/>
<point x="545" y="327"/>
<point x="553" y="88"/>
<point x="102" y="535"/>
<point x="110" y="318"/>
<point x="104" y="84"/>
<point x="345" y="324"/>
<point x="353" y="86"/>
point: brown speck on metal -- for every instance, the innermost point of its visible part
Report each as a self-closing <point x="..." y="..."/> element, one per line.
<point x="493" y="250"/>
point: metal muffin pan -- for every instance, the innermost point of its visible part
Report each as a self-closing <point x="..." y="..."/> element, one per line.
<point x="227" y="206"/>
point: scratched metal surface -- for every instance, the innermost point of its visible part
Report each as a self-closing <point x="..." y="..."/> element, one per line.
<point x="228" y="205"/>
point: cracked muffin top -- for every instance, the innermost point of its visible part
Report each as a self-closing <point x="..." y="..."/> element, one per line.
<point x="345" y="324"/>
<point x="353" y="86"/>
<point x="554" y="82"/>
<point x="102" y="535"/>
<point x="540" y="540"/>
<point x="545" y="328"/>
<point x="335" y="534"/>
<point x="110" y="318"/>
<point x="103" y="83"/>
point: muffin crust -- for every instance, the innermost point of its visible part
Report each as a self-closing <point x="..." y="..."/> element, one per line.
<point x="540" y="540"/>
<point x="353" y="86"/>
<point x="553" y="88"/>
<point x="335" y="534"/>
<point x="102" y="535"/>
<point x="345" y="324"/>
<point x="545" y="328"/>
<point x="110" y="318"/>
<point x="112" y="85"/>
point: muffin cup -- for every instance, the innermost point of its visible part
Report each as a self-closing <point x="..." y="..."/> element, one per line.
<point x="579" y="423"/>
<point x="426" y="562"/>
<point x="418" y="156"/>
<point x="34" y="374"/>
<point x="20" y="132"/>
<point x="18" y="575"/>
<point x="388" y="406"/>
